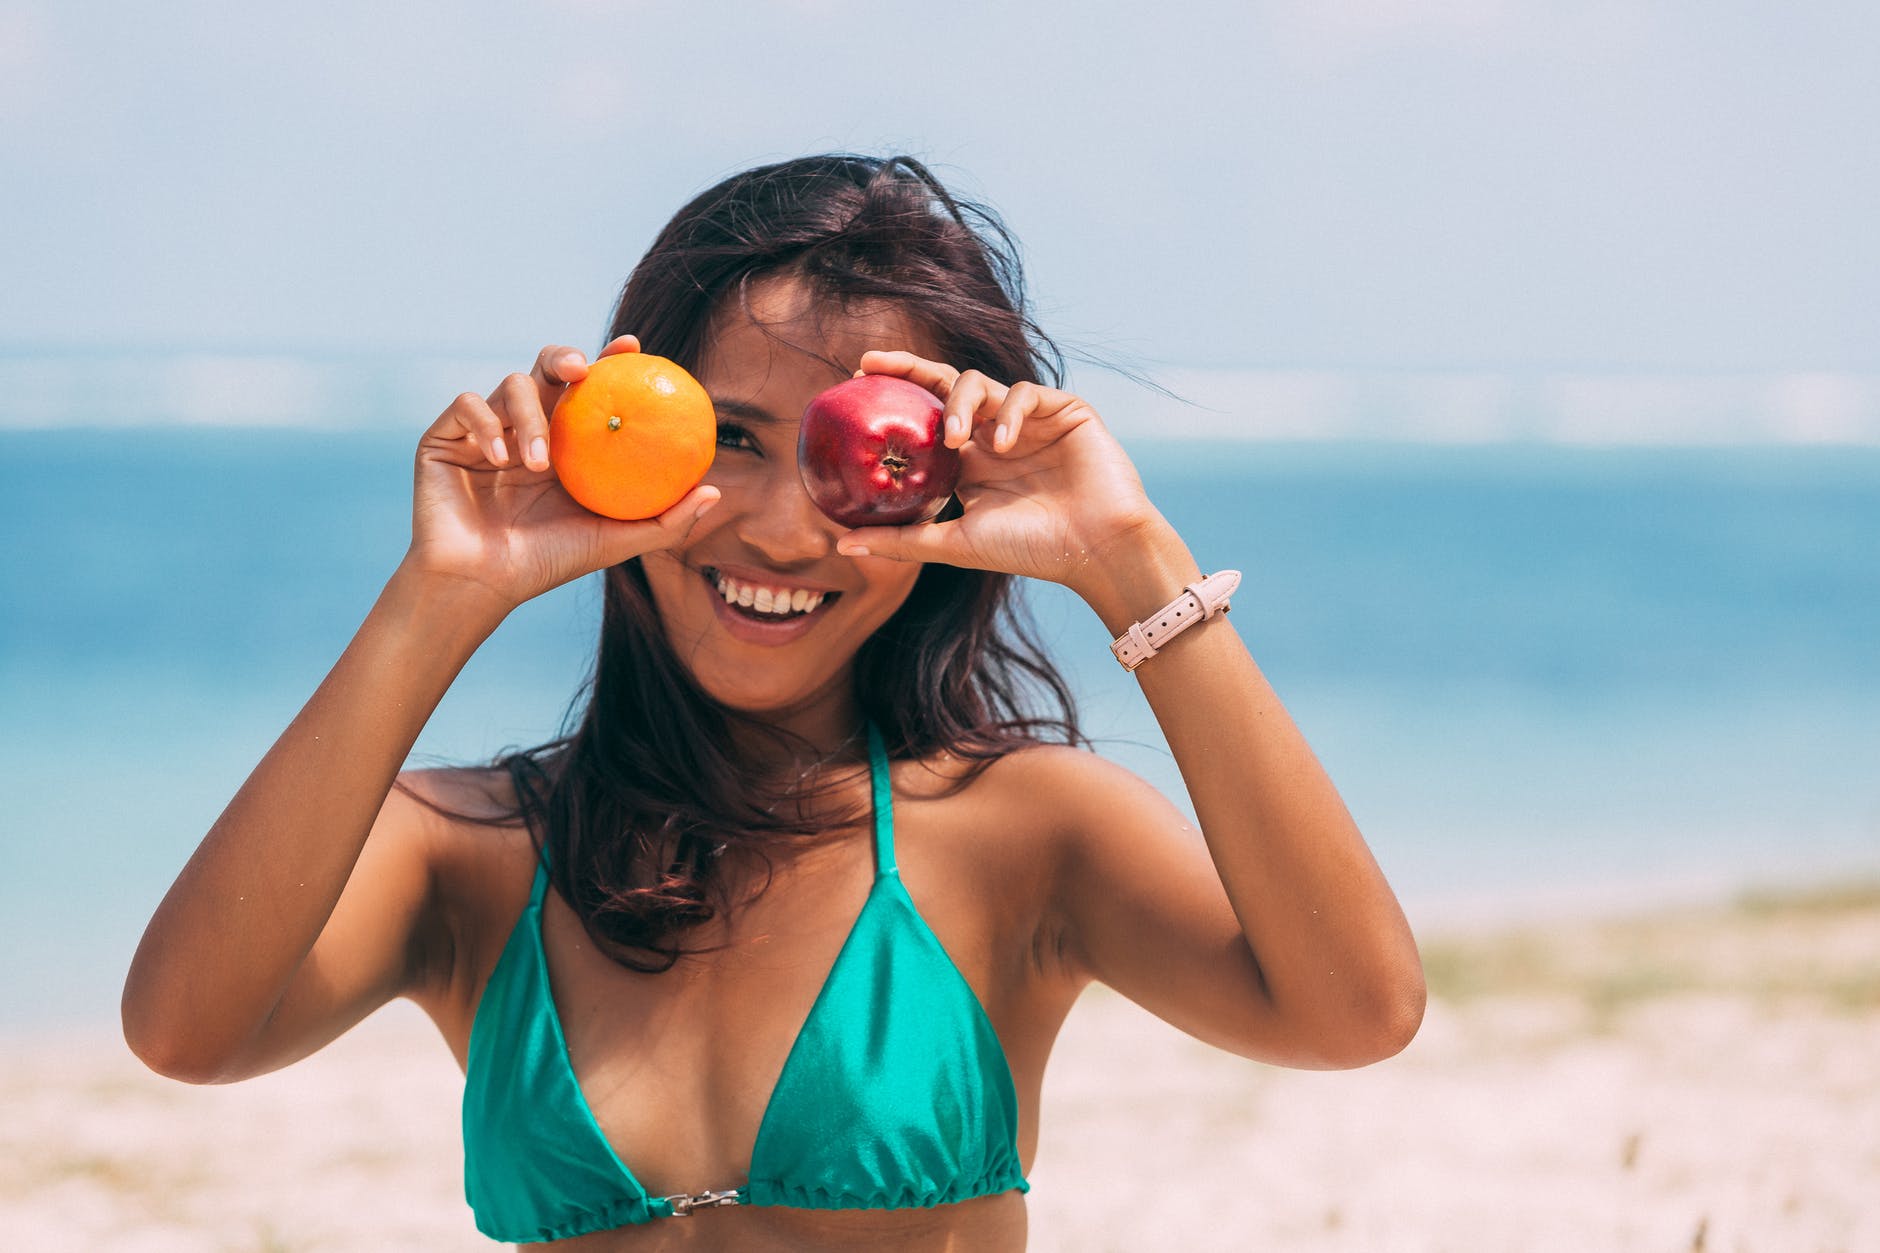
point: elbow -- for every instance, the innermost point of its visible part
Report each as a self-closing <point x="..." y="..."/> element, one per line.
<point x="179" y="1065"/>
<point x="166" y="1053"/>
<point x="1399" y="1020"/>
<point x="1371" y="1028"/>
<point x="168" y="1045"/>
<point x="1389" y="1021"/>
<point x="177" y="1058"/>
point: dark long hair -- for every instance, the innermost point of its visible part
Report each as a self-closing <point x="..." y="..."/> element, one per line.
<point x="645" y="805"/>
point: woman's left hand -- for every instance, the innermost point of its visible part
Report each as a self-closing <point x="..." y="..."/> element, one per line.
<point x="1308" y="961"/>
<point x="1048" y="492"/>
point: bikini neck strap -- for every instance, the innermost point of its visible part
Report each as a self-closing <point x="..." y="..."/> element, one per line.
<point x="883" y="802"/>
<point x="883" y="806"/>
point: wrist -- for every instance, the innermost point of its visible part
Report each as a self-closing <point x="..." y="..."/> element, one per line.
<point x="1137" y="576"/>
<point x="451" y="605"/>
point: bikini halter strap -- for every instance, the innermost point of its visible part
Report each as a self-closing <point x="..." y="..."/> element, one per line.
<point x="539" y="889"/>
<point x="883" y="802"/>
<point x="883" y="806"/>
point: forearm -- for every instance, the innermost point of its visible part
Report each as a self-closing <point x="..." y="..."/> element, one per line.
<point x="1334" y="951"/>
<point x="246" y="909"/>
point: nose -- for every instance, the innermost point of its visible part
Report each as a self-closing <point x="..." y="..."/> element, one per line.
<point x="783" y="523"/>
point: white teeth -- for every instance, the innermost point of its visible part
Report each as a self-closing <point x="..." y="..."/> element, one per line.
<point x="767" y="599"/>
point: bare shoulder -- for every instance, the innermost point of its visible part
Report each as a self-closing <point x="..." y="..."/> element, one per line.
<point x="1062" y="771"/>
<point x="457" y="793"/>
<point x="1069" y="793"/>
<point x="1037" y="805"/>
<point x="466" y="818"/>
<point x="1027" y="766"/>
<point x="1024" y="838"/>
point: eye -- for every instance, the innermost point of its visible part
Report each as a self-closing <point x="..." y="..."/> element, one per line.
<point x="731" y="435"/>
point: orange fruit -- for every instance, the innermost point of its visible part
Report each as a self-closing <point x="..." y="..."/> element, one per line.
<point x="633" y="437"/>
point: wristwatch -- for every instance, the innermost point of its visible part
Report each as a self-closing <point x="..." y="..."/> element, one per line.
<point x="1197" y="603"/>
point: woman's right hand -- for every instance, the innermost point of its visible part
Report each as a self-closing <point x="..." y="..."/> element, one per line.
<point x="293" y="921"/>
<point x="488" y="509"/>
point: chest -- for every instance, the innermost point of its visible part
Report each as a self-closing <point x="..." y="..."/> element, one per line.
<point x="841" y="993"/>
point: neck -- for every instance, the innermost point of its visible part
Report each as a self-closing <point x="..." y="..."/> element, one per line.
<point x="825" y="730"/>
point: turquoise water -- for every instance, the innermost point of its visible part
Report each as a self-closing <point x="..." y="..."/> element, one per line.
<point x="1536" y="673"/>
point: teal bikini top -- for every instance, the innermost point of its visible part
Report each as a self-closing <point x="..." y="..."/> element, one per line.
<point x="895" y="1095"/>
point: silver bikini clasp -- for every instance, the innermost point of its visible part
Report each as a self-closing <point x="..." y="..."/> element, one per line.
<point x="683" y="1203"/>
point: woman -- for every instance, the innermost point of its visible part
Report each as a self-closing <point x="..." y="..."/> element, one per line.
<point x="778" y="941"/>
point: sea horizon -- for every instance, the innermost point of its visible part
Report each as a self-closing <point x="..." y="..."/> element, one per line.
<point x="75" y="387"/>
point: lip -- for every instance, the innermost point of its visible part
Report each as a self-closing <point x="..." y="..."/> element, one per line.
<point x="764" y="578"/>
<point x="751" y="631"/>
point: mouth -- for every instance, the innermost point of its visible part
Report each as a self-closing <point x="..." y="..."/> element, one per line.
<point x="765" y="605"/>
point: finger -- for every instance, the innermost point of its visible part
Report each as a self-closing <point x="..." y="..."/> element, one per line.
<point x="974" y="398"/>
<point x="621" y="343"/>
<point x="936" y="376"/>
<point x="927" y="541"/>
<point x="556" y="368"/>
<point x="1022" y="400"/>
<point x="518" y="402"/>
<point x="679" y="520"/>
<point x="558" y="365"/>
<point x="469" y="421"/>
<point x="632" y="539"/>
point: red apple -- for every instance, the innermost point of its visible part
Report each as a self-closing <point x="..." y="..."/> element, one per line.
<point x="872" y="452"/>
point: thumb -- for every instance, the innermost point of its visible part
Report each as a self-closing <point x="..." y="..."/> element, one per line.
<point x="923" y="541"/>
<point x="626" y="540"/>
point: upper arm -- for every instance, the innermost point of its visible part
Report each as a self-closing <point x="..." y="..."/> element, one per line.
<point x="1137" y="905"/>
<point x="386" y="937"/>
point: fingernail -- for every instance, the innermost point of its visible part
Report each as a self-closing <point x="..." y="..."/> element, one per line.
<point x="705" y="506"/>
<point x="954" y="423"/>
<point x="998" y="436"/>
<point x="499" y="451"/>
<point x="849" y="548"/>
<point x="538" y="451"/>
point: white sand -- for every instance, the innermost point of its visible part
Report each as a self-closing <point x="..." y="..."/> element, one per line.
<point x="1708" y="1080"/>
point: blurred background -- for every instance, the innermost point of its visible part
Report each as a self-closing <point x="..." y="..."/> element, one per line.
<point x="1523" y="356"/>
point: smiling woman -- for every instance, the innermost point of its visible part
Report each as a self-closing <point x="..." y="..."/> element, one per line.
<point x="765" y="363"/>
<point x="781" y="935"/>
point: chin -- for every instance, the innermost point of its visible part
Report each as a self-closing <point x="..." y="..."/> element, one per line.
<point x="763" y="677"/>
<point x="750" y="695"/>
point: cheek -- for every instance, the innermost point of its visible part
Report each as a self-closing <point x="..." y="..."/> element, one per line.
<point x="736" y="471"/>
<point x="669" y="581"/>
<point x="890" y="583"/>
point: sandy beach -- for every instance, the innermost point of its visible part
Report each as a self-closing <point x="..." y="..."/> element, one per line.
<point x="1704" y="1078"/>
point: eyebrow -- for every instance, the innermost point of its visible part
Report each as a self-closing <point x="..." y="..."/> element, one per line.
<point x="742" y="409"/>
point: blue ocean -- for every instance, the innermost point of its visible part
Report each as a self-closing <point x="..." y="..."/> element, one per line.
<point x="1539" y="674"/>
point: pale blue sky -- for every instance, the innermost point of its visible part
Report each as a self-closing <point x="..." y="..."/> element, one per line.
<point x="1499" y="185"/>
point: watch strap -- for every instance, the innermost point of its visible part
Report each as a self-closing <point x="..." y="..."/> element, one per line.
<point x="1197" y="603"/>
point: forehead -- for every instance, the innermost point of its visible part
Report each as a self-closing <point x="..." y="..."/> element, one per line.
<point x="782" y="336"/>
